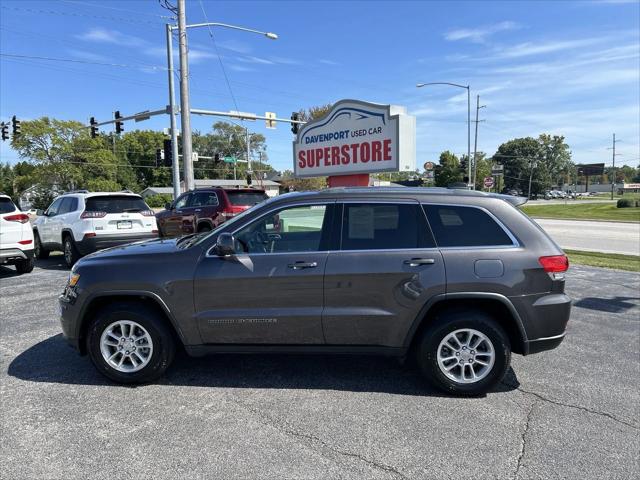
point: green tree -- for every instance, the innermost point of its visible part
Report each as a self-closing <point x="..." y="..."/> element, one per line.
<point x="448" y="171"/>
<point x="313" y="113"/>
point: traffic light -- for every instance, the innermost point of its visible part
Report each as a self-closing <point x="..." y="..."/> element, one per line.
<point x="119" y="127"/>
<point x="17" y="129"/>
<point x="94" y="129"/>
<point x="294" y="126"/>
<point x="5" y="131"/>
<point x="159" y="157"/>
<point x="168" y="154"/>
<point x="248" y="179"/>
<point x="216" y="158"/>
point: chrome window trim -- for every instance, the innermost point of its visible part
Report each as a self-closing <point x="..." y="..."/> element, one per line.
<point x="514" y="241"/>
<point x="301" y="203"/>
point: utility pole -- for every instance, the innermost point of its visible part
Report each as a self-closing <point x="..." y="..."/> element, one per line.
<point x="613" y="167"/>
<point x="475" y="142"/>
<point x="175" y="164"/>
<point x="249" y="171"/>
<point x="469" y="185"/>
<point x="185" y="109"/>
<point x="533" y="165"/>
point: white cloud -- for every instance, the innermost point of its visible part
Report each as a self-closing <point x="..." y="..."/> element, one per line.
<point x="537" y="48"/>
<point x="103" y="35"/>
<point x="90" y="56"/>
<point x="480" y="34"/>
<point x="324" y="61"/>
<point x="240" y="68"/>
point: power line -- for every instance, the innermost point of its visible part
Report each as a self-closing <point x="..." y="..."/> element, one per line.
<point x="74" y="14"/>
<point x="88" y="62"/>
<point x="99" y="5"/>
<point x="215" y="46"/>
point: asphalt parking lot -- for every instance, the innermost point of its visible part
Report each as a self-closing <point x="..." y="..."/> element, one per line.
<point x="569" y="413"/>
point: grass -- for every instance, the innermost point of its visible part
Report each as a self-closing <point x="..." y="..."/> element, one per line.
<point x="585" y="211"/>
<point x="630" y="263"/>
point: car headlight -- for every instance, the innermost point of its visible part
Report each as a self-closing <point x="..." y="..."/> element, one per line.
<point x="73" y="279"/>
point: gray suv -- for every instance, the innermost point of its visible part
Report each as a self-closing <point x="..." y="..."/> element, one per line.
<point x="456" y="279"/>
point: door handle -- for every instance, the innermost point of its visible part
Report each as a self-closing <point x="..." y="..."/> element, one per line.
<point x="414" y="262"/>
<point x="198" y="209"/>
<point x="301" y="265"/>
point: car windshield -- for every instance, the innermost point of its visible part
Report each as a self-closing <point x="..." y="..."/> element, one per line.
<point x="240" y="198"/>
<point x="6" y="205"/>
<point x="116" y="204"/>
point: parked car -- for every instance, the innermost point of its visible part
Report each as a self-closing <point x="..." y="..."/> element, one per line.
<point x="204" y="209"/>
<point x="16" y="237"/>
<point x="457" y="279"/>
<point x="79" y="223"/>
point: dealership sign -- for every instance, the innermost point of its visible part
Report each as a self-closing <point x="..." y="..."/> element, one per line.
<point x="356" y="137"/>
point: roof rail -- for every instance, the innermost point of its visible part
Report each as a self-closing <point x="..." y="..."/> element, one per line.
<point x="75" y="191"/>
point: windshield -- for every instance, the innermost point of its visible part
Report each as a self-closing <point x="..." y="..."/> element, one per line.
<point x="116" y="204"/>
<point x="240" y="198"/>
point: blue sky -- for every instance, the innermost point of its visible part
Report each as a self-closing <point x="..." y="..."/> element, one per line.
<point x="567" y="68"/>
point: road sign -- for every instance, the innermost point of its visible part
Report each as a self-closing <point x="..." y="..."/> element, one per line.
<point x="270" y="123"/>
<point x="230" y="159"/>
<point x="429" y="165"/>
<point x="194" y="156"/>
<point x="497" y="170"/>
<point x="488" y="182"/>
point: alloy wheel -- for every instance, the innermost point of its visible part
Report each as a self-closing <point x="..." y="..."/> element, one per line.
<point x="126" y="346"/>
<point x="466" y="356"/>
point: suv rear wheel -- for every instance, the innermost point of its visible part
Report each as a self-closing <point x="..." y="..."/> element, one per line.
<point x="24" y="266"/>
<point x="71" y="254"/>
<point x="39" y="251"/>
<point x="128" y="343"/>
<point x="464" y="352"/>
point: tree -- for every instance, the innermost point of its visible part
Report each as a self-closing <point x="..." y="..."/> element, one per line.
<point x="483" y="169"/>
<point x="313" y="113"/>
<point x="448" y="171"/>
<point x="289" y="182"/>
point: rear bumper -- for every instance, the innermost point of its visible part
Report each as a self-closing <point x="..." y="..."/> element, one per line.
<point x="9" y="255"/>
<point x="91" y="244"/>
<point x="542" y="344"/>
<point x="545" y="320"/>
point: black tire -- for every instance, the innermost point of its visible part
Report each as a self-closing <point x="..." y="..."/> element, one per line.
<point x="163" y="343"/>
<point x="71" y="253"/>
<point x="448" y="322"/>
<point x="39" y="251"/>
<point x="24" y="266"/>
<point x="204" y="227"/>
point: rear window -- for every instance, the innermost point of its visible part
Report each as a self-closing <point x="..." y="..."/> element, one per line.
<point x="455" y="226"/>
<point x="6" y="205"/>
<point x="116" y="204"/>
<point x="241" y="198"/>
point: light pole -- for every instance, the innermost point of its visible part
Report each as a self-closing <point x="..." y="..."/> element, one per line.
<point x="468" y="88"/>
<point x="185" y="111"/>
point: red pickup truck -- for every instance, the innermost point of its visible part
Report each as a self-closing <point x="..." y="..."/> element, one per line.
<point x="204" y="209"/>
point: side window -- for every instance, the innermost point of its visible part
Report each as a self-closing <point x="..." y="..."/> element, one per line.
<point x="295" y="229"/>
<point x="182" y="201"/>
<point x="52" y="211"/>
<point x="65" y="206"/>
<point x="384" y="226"/>
<point x="204" y="199"/>
<point x="73" y="205"/>
<point x="455" y="226"/>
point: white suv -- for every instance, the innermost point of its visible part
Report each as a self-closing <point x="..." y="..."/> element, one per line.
<point x="79" y="223"/>
<point x="16" y="237"/>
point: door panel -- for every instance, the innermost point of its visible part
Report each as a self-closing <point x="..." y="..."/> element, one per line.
<point x="173" y="221"/>
<point x="259" y="298"/>
<point x="386" y="270"/>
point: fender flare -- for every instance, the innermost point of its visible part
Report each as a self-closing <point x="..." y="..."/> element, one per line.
<point x="208" y="221"/>
<point x="433" y="301"/>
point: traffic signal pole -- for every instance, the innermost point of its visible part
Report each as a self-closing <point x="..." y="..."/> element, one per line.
<point x="175" y="164"/>
<point x="185" y="109"/>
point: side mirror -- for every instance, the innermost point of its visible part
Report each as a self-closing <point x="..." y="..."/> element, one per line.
<point x="225" y="245"/>
<point x="39" y="212"/>
<point x="167" y="206"/>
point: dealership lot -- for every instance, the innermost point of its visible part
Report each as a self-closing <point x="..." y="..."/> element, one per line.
<point x="570" y="412"/>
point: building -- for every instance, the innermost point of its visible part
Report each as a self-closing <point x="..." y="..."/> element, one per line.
<point x="150" y="191"/>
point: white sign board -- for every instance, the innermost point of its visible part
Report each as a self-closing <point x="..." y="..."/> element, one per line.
<point x="356" y="137"/>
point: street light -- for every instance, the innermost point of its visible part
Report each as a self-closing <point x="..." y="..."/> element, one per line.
<point x="468" y="88"/>
<point x="184" y="97"/>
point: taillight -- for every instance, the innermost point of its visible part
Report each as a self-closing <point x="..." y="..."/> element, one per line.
<point x="554" y="263"/>
<point x="25" y="242"/>
<point x="19" y="217"/>
<point x="228" y="214"/>
<point x="90" y="235"/>
<point x="148" y="213"/>
<point x="90" y="214"/>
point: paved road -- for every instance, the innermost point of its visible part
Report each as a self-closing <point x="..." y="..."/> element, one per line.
<point x="568" y="413"/>
<point x="608" y="237"/>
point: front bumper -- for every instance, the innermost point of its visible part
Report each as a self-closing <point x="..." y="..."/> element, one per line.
<point x="91" y="244"/>
<point x="69" y="314"/>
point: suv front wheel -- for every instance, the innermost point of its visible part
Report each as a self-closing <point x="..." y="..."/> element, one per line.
<point x="71" y="254"/>
<point x="129" y="343"/>
<point x="464" y="352"/>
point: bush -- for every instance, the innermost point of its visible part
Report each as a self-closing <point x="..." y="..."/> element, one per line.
<point x="626" y="203"/>
<point x="159" y="200"/>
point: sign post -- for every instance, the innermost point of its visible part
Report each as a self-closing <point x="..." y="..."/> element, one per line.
<point x="355" y="139"/>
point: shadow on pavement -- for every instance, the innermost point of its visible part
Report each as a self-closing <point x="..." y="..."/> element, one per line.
<point x="610" y="305"/>
<point x="9" y="271"/>
<point x="53" y="361"/>
<point x="54" y="262"/>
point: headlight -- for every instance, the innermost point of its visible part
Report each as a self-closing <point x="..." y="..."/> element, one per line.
<point x="73" y="279"/>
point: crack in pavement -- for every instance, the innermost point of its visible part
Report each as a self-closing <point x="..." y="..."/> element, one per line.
<point x="577" y="407"/>
<point x="523" y="440"/>
<point x="312" y="438"/>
